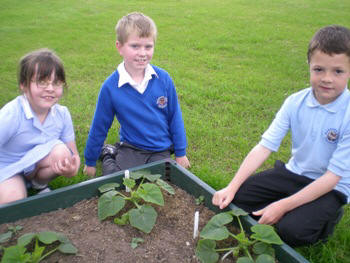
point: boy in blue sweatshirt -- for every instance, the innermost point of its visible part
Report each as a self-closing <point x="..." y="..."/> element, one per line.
<point x="143" y="99"/>
<point x="304" y="197"/>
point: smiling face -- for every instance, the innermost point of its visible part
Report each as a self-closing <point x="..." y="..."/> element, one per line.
<point x="137" y="52"/>
<point x="329" y="75"/>
<point x="43" y="94"/>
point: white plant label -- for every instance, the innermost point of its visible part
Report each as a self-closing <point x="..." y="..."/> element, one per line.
<point x="127" y="176"/>
<point x="195" y="225"/>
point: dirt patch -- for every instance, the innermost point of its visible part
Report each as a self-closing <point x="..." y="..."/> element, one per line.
<point x="171" y="240"/>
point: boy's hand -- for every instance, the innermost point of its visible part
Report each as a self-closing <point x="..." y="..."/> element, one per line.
<point x="68" y="167"/>
<point x="183" y="161"/>
<point x="89" y="170"/>
<point x="272" y="213"/>
<point x="223" y="197"/>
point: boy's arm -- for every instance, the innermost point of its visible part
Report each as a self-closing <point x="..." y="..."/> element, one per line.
<point x="255" y="158"/>
<point x="102" y="121"/>
<point x="176" y="123"/>
<point x="273" y="212"/>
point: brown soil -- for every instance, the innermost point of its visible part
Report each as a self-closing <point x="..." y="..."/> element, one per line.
<point x="171" y="240"/>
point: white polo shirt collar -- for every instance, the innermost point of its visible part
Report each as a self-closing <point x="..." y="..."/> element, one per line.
<point x="124" y="77"/>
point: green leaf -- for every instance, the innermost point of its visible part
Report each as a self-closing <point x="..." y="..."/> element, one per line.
<point x="205" y="251"/>
<point x="25" y="239"/>
<point x="244" y="260"/>
<point x="152" y="177"/>
<point x="18" y="228"/>
<point x="264" y="258"/>
<point x="129" y="182"/>
<point x="215" y="228"/>
<point x="263" y="248"/>
<point x="62" y="238"/>
<point x="138" y="174"/>
<point x="109" y="204"/>
<point x="67" y="248"/>
<point x="135" y="242"/>
<point x="123" y="220"/>
<point x="151" y="193"/>
<point x="5" y="236"/>
<point x="143" y="218"/>
<point x="15" y="229"/>
<point x="164" y="185"/>
<point x="47" y="237"/>
<point x="15" y="254"/>
<point x="108" y="187"/>
<point x="265" y="233"/>
<point x="238" y="212"/>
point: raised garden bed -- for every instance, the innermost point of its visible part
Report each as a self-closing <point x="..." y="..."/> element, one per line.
<point x="68" y="197"/>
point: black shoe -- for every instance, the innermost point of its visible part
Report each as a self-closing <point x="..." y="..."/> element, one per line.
<point x="108" y="150"/>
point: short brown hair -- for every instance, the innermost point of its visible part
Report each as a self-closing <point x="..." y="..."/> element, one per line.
<point x="331" y="40"/>
<point x="137" y="22"/>
<point x="40" y="63"/>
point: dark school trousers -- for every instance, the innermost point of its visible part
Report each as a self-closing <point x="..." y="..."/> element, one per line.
<point x="303" y="225"/>
<point x="129" y="156"/>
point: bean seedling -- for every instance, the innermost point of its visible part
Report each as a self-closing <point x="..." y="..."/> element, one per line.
<point x="259" y="243"/>
<point x="143" y="216"/>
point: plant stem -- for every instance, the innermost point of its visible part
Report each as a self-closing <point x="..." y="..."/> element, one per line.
<point x="247" y="253"/>
<point x="240" y="224"/>
<point x="136" y="204"/>
<point x="234" y="236"/>
<point x="48" y="254"/>
<point x="224" y="249"/>
<point x="124" y="196"/>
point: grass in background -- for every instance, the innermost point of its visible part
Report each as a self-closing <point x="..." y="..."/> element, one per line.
<point x="233" y="63"/>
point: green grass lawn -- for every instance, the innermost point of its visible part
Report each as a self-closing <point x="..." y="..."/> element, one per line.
<point x="233" y="63"/>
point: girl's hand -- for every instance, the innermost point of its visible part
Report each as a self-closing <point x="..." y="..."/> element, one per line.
<point x="68" y="167"/>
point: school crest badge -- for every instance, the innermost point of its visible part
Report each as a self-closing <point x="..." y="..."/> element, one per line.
<point x="332" y="135"/>
<point x="162" y="102"/>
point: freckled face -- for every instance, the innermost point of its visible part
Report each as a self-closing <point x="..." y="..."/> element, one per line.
<point x="329" y="75"/>
<point x="43" y="95"/>
<point x="137" y="53"/>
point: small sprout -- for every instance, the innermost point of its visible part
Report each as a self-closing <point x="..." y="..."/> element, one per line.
<point x="135" y="242"/>
<point x="199" y="200"/>
<point x="12" y="230"/>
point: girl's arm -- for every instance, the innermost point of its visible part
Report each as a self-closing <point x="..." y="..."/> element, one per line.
<point x="255" y="158"/>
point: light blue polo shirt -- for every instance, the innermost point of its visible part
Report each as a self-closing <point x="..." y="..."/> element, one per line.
<point x="24" y="140"/>
<point x="320" y="136"/>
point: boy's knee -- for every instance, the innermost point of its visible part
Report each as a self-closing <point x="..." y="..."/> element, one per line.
<point x="295" y="234"/>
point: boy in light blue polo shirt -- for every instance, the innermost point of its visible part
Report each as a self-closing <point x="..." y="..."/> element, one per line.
<point x="304" y="198"/>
